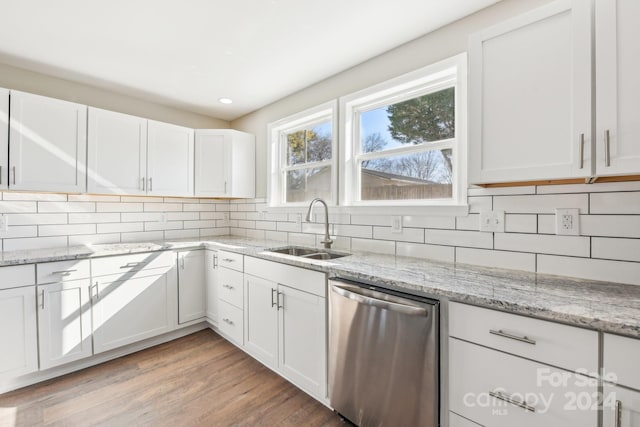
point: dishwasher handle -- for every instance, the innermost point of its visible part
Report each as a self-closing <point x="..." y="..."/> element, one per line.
<point x="361" y="298"/>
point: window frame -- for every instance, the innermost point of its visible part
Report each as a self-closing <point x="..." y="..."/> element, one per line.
<point x="451" y="72"/>
<point x="278" y="166"/>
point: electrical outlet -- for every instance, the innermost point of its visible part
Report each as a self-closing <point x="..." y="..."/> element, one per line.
<point x="568" y="222"/>
<point x="396" y="224"/>
<point x="492" y="221"/>
<point x="4" y="223"/>
<point x="225" y="216"/>
<point x="164" y="217"/>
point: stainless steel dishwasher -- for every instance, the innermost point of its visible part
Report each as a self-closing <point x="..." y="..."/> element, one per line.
<point x="383" y="356"/>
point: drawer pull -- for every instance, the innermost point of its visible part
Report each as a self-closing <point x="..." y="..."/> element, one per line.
<point x="229" y="321"/>
<point x="501" y="333"/>
<point x="280" y="306"/>
<point x="273" y="303"/>
<point x="502" y="396"/>
<point x="130" y="264"/>
<point x="228" y="260"/>
<point x="618" y="420"/>
<point x="228" y="287"/>
<point x="63" y="272"/>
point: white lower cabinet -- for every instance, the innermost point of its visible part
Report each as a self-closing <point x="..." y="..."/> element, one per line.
<point x="192" y="302"/>
<point x="285" y="322"/>
<point x="621" y="407"/>
<point x="621" y="371"/>
<point x="18" y="331"/>
<point x="136" y="304"/>
<point x="64" y="322"/>
<point x="211" y="275"/>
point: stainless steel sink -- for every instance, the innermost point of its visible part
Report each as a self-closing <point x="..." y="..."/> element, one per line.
<point x="309" y="253"/>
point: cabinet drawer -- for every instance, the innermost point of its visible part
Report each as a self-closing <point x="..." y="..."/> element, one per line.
<point x="230" y="286"/>
<point x="621" y="356"/>
<point x="481" y="381"/>
<point x="231" y="260"/>
<point x="548" y="342"/>
<point x="61" y="271"/>
<point x="302" y="279"/>
<point x="16" y="276"/>
<point x="231" y="322"/>
<point x="628" y="408"/>
<point x="133" y="262"/>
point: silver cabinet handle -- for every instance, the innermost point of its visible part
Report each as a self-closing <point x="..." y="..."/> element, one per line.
<point x="618" y="419"/>
<point x="228" y="287"/>
<point x="14" y="175"/>
<point x="90" y="290"/>
<point x="143" y="182"/>
<point x="228" y="260"/>
<point x="501" y="333"/>
<point x="130" y="264"/>
<point x="150" y="184"/>
<point x="215" y="261"/>
<point x="273" y="292"/>
<point x="97" y="291"/>
<point x="607" y="148"/>
<point x="360" y="296"/>
<point x="229" y="321"/>
<point x="42" y="300"/>
<point x="182" y="262"/>
<point x="502" y="396"/>
<point x="581" y="150"/>
<point x="279" y="305"/>
<point x="225" y="187"/>
<point x="63" y="272"/>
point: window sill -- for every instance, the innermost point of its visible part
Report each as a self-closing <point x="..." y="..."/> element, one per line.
<point x="432" y="210"/>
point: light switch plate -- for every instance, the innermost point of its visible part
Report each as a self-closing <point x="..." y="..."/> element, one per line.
<point x="492" y="221"/>
<point x="396" y="224"/>
<point x="568" y="222"/>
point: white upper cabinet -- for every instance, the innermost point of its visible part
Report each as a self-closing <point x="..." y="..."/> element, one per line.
<point x="117" y="153"/>
<point x="169" y="159"/>
<point x="4" y="138"/>
<point x="530" y="96"/>
<point x="617" y="87"/>
<point x="225" y="164"/>
<point x="48" y="140"/>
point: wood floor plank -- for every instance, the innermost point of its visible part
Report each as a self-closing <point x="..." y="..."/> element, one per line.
<point x="197" y="380"/>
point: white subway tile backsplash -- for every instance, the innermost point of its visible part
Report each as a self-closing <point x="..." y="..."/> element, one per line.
<point x="470" y="222"/>
<point x="142" y="199"/>
<point x="94" y="239"/>
<point x="34" y="243"/>
<point x="590" y="188"/>
<point x="66" y="229"/>
<point x="255" y="234"/>
<point x="118" y="207"/>
<point x="291" y="227"/>
<point x="169" y="225"/>
<point x="419" y="250"/>
<point x="499" y="259"/>
<point x="210" y="223"/>
<point x="87" y="218"/>
<point x="266" y="225"/>
<point x="618" y="249"/>
<point x="520" y="223"/>
<point x="121" y="227"/>
<point x="66" y="207"/>
<point x="547" y="224"/>
<point x="594" y="269"/>
<point x="181" y="234"/>
<point x="203" y="215"/>
<point x="376" y="246"/>
<point x="541" y="203"/>
<point x="616" y="203"/>
<point x="278" y="236"/>
<point x="210" y="232"/>
<point x="482" y="203"/>
<point x="19" y="207"/>
<point x="163" y="207"/>
<point x="543" y="244"/>
<point x="443" y="222"/>
<point x="339" y="242"/>
<point x="36" y="218"/>
<point x="142" y="236"/>
<point x="474" y="239"/>
<point x="141" y="216"/>
<point x="51" y="197"/>
<point x="92" y="198"/>
<point x="501" y="191"/>
<point x="238" y="215"/>
<point x="363" y="231"/>
<point x="610" y="225"/>
<point x="302" y="239"/>
<point x="185" y="216"/>
<point x="415" y="235"/>
<point x="15" y="231"/>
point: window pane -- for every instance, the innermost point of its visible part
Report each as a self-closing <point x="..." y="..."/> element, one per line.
<point x="425" y="175"/>
<point x="427" y="118"/>
<point x="307" y="184"/>
<point x="312" y="144"/>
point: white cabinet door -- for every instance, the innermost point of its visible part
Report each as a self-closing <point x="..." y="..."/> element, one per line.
<point x="192" y="302"/>
<point x="4" y="138"/>
<point x="618" y="87"/>
<point x="18" y="332"/>
<point x="225" y="164"/>
<point x="212" y="164"/>
<point x="211" y="277"/>
<point x="261" y="320"/>
<point x="48" y="144"/>
<point x="620" y="403"/>
<point x="302" y="340"/>
<point x="530" y="96"/>
<point x="133" y="309"/>
<point x="169" y="159"/>
<point x="64" y="322"/>
<point x="117" y="153"/>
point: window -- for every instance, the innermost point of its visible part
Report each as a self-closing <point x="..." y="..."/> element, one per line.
<point x="404" y="140"/>
<point x="302" y="155"/>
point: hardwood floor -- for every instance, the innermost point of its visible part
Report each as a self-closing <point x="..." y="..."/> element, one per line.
<point x="198" y="380"/>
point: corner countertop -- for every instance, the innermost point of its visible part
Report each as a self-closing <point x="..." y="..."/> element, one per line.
<point x="604" y="306"/>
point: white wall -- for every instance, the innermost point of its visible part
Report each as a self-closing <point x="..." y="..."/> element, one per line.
<point x="40" y="84"/>
<point x="433" y="47"/>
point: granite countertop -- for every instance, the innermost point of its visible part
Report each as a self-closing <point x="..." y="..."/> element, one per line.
<point x="605" y="306"/>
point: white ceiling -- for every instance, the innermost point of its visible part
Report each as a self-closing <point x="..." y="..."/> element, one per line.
<point x="190" y="53"/>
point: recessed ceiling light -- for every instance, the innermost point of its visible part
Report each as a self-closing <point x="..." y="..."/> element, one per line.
<point x="225" y="100"/>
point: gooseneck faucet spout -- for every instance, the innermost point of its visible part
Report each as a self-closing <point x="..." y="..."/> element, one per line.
<point x="327" y="239"/>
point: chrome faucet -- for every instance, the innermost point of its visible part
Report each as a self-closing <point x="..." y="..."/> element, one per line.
<point x="327" y="239"/>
